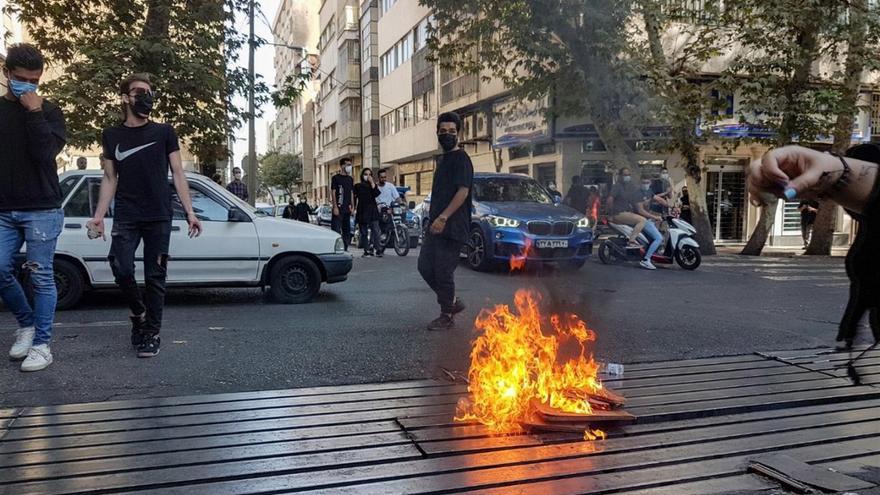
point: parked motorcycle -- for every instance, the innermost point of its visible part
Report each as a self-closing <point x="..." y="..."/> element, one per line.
<point x="394" y="231"/>
<point x="678" y="244"/>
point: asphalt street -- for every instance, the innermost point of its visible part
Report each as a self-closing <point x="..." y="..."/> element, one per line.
<point x="372" y="327"/>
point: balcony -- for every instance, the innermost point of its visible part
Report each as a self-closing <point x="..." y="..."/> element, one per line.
<point x="348" y="133"/>
<point x="459" y="87"/>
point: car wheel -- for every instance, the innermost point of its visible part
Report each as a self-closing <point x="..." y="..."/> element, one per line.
<point x="688" y="257"/>
<point x="69" y="284"/>
<point x="294" y="280"/>
<point x="477" y="255"/>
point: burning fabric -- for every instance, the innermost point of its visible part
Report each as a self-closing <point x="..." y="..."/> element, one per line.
<point x="518" y="377"/>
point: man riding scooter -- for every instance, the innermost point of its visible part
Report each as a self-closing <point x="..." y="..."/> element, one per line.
<point x="629" y="205"/>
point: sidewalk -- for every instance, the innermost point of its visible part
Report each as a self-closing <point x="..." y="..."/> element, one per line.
<point x="777" y="251"/>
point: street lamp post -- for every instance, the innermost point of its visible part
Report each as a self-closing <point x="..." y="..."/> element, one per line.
<point x="252" y="145"/>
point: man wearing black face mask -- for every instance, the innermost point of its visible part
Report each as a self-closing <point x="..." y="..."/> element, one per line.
<point x="450" y="218"/>
<point x="137" y="156"/>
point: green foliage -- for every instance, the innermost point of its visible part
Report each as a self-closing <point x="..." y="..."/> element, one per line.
<point x="291" y="89"/>
<point x="188" y="46"/>
<point x="281" y="170"/>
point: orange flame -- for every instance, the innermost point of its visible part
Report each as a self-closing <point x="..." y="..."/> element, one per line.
<point x="518" y="262"/>
<point x="514" y="363"/>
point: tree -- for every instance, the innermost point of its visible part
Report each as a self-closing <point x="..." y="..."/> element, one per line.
<point x="577" y="51"/>
<point x="281" y="170"/>
<point x="188" y="46"/>
<point x="859" y="31"/>
<point x="781" y="41"/>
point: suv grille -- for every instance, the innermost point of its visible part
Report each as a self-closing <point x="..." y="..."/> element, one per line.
<point x="546" y="228"/>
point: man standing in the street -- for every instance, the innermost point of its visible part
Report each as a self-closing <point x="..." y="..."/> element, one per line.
<point x="138" y="154"/>
<point x="449" y="219"/>
<point x="388" y="193"/>
<point x="576" y="197"/>
<point x="342" y="188"/>
<point x="236" y="186"/>
<point x="302" y="210"/>
<point x="32" y="134"/>
<point x="81" y="163"/>
<point x="808" y="209"/>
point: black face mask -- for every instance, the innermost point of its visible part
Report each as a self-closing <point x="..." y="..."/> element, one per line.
<point x="447" y="141"/>
<point x="143" y="105"/>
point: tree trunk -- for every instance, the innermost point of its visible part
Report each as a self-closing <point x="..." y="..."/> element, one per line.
<point x="807" y="54"/>
<point x="154" y="36"/>
<point x="823" y="230"/>
<point x="700" y="215"/>
<point x="762" y="230"/>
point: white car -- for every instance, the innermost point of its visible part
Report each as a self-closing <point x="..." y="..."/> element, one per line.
<point x="239" y="247"/>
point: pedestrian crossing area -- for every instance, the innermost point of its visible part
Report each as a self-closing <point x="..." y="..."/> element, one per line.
<point x="819" y="271"/>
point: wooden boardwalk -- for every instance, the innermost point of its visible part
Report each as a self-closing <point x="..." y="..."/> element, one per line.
<point x="700" y="421"/>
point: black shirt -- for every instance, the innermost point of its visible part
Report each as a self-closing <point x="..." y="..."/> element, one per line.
<point x="301" y="212"/>
<point x="140" y="157"/>
<point x="342" y="187"/>
<point x="29" y="143"/>
<point x="577" y="197"/>
<point x="454" y="170"/>
<point x="625" y="198"/>
<point x="806" y="215"/>
<point x="367" y="209"/>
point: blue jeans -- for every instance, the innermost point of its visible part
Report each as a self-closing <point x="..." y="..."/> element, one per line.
<point x="40" y="230"/>
<point x="656" y="237"/>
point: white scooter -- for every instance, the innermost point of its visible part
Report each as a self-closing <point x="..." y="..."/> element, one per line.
<point x="678" y="244"/>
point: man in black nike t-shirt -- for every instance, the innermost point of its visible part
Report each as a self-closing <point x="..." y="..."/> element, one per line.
<point x="137" y="157"/>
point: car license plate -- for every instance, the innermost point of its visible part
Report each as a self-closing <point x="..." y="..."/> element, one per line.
<point x="552" y="243"/>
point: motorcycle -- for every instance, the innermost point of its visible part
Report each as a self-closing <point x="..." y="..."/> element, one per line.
<point x="678" y="245"/>
<point x="393" y="229"/>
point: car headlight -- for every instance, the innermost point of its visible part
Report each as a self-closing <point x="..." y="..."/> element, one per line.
<point x="503" y="221"/>
<point x="583" y="223"/>
<point x="340" y="246"/>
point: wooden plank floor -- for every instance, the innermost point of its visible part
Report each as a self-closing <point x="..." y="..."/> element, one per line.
<point x="699" y="422"/>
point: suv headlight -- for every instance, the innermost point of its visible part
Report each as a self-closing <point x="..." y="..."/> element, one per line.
<point x="583" y="223"/>
<point x="340" y="246"/>
<point x="502" y="221"/>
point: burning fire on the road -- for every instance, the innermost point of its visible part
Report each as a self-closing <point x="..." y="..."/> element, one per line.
<point x="520" y="375"/>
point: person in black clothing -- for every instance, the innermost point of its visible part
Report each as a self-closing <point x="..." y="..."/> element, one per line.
<point x="686" y="206"/>
<point x="367" y="213"/>
<point x="302" y="211"/>
<point x="808" y="209"/>
<point x="793" y="172"/>
<point x="342" y="188"/>
<point x="32" y="133"/>
<point x="137" y="156"/>
<point x="289" y="210"/>
<point x="554" y="193"/>
<point x="577" y="196"/>
<point x="449" y="219"/>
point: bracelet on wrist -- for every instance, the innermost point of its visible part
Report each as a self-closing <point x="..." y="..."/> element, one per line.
<point x="845" y="175"/>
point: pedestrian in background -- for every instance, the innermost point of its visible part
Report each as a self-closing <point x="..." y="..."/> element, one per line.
<point x="554" y="193"/>
<point x="289" y="210"/>
<point x="236" y="186"/>
<point x="808" y="208"/>
<point x="138" y="156"/>
<point x="342" y="189"/>
<point x="81" y="163"/>
<point x="32" y="133"/>
<point x="685" y="201"/>
<point x="576" y="197"/>
<point x="367" y="213"/>
<point x="302" y="210"/>
<point x="449" y="220"/>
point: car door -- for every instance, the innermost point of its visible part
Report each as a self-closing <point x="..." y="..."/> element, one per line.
<point x="79" y="208"/>
<point x="227" y="251"/>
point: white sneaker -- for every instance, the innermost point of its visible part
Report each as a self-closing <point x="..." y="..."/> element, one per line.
<point x="646" y="264"/>
<point x="24" y="339"/>
<point x="39" y="357"/>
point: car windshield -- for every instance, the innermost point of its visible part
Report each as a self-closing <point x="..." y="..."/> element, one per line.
<point x="507" y="189"/>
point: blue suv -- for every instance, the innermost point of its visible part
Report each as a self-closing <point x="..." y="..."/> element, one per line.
<point x="514" y="216"/>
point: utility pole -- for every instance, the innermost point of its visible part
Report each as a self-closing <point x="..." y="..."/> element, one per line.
<point x="252" y="141"/>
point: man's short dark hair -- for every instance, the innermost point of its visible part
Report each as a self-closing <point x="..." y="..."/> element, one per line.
<point x="125" y="85"/>
<point x="344" y="161"/>
<point x="449" y="117"/>
<point x="24" y="56"/>
<point x="382" y="171"/>
<point x="576" y="179"/>
<point x="236" y="169"/>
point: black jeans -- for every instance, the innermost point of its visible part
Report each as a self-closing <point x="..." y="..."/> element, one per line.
<point x="373" y="229"/>
<point x="342" y="224"/>
<point x="126" y="238"/>
<point x="438" y="260"/>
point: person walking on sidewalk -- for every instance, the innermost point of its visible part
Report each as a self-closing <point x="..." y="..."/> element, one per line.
<point x="342" y="188"/>
<point x="236" y="186"/>
<point x="449" y="220"/>
<point x="32" y="134"/>
<point x="808" y="208"/>
<point x="138" y="154"/>
<point x="367" y="213"/>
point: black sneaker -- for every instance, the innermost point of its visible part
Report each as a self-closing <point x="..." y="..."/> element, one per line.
<point x="458" y="306"/>
<point x="137" y="324"/>
<point x="149" y="347"/>
<point x="380" y="254"/>
<point x="442" y="322"/>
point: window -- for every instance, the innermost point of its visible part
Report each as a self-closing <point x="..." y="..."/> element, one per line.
<point x="80" y="204"/>
<point x="386" y="5"/>
<point x="875" y="113"/>
<point x="591" y="145"/>
<point x="791" y="217"/>
<point x="328" y="33"/>
<point x="67" y="184"/>
<point x="205" y="208"/>
<point x="544" y="149"/>
<point x="420" y="35"/>
<point x="524" y="170"/>
<point x="397" y="55"/>
<point x="518" y="152"/>
<point x="426" y="180"/>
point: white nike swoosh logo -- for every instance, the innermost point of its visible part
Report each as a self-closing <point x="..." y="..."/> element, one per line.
<point x="122" y="155"/>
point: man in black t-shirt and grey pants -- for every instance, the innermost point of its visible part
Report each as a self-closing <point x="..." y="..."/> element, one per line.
<point x="137" y="157"/>
<point x="342" y="188"/>
<point x="449" y="218"/>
